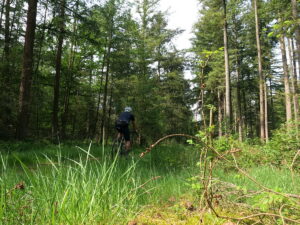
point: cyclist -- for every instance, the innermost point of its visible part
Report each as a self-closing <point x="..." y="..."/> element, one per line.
<point x="122" y="126"/>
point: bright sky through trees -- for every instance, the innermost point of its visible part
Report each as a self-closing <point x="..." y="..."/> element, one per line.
<point x="183" y="14"/>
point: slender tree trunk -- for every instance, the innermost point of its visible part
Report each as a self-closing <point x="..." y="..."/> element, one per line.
<point x="211" y="122"/>
<point x="65" y="114"/>
<point x="1" y="13"/>
<point x="55" y="127"/>
<point x="293" y="72"/>
<point x="220" y="118"/>
<point x="297" y="28"/>
<point x="90" y="104"/>
<point x="74" y="121"/>
<point x="99" y="97"/>
<point x="13" y="20"/>
<point x="109" y="110"/>
<point x="201" y="97"/>
<point x="69" y="79"/>
<point x="262" y="109"/>
<point x="272" y="117"/>
<point x="26" y="77"/>
<point x="239" y="104"/>
<point x="247" y="124"/>
<point x="39" y="54"/>
<point x="17" y="22"/>
<point x="266" y="112"/>
<point x="227" y="74"/>
<point x="6" y="31"/>
<point x="287" y="90"/>
<point x="37" y="80"/>
<point x="104" y="109"/>
<point x="6" y="94"/>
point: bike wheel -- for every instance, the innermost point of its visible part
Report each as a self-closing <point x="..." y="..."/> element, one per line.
<point x="122" y="149"/>
<point x="118" y="147"/>
<point x="114" y="148"/>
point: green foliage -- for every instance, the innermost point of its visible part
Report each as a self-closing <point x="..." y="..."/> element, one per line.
<point x="224" y="144"/>
<point x="284" y="144"/>
<point x="268" y="201"/>
<point x="52" y="184"/>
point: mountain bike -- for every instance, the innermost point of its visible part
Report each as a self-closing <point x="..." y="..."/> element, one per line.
<point x="118" y="146"/>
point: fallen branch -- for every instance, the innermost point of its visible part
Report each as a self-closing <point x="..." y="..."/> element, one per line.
<point x="262" y="186"/>
<point x="144" y="184"/>
<point x="164" y="138"/>
<point x="207" y="179"/>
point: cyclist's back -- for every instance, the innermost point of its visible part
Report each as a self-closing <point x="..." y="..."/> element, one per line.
<point x="122" y="124"/>
<point x="126" y="117"/>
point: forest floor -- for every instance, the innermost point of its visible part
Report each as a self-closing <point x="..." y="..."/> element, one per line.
<point x="74" y="182"/>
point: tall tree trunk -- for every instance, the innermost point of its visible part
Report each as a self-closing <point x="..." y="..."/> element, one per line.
<point x="104" y="105"/>
<point x="239" y="103"/>
<point x="266" y="112"/>
<point x="297" y="29"/>
<point x="68" y="84"/>
<point x="5" y="84"/>
<point x="227" y="74"/>
<point x="55" y="127"/>
<point x="65" y="114"/>
<point x="37" y="65"/>
<point x="6" y="94"/>
<point x="220" y="118"/>
<point x="26" y="77"/>
<point x="294" y="80"/>
<point x="13" y="20"/>
<point x="109" y="110"/>
<point x="1" y="13"/>
<point x="6" y="30"/>
<point x="272" y="117"/>
<point x="99" y="97"/>
<point x="262" y="109"/>
<point x="287" y="90"/>
<point x="201" y="97"/>
<point x="90" y="101"/>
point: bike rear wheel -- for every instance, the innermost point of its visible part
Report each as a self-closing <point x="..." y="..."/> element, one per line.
<point x="118" y="146"/>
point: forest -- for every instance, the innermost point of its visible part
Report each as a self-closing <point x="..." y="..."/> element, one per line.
<point x="220" y="146"/>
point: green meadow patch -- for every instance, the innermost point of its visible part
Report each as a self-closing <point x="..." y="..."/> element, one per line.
<point x="83" y="184"/>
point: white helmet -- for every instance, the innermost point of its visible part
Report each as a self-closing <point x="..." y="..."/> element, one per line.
<point x="128" y="109"/>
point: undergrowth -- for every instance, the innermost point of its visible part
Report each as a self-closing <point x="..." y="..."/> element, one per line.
<point x="41" y="183"/>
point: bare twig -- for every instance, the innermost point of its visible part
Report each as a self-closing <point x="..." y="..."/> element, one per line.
<point x="294" y="159"/>
<point x="268" y="214"/>
<point x="262" y="186"/>
<point x="144" y="184"/>
<point x="292" y="165"/>
<point x="280" y="213"/>
<point x="207" y="179"/>
<point x="164" y="138"/>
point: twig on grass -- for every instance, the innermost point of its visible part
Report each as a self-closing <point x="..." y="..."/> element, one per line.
<point x="207" y="178"/>
<point x="144" y="184"/>
<point x="164" y="138"/>
<point x="292" y="165"/>
<point x="262" y="186"/>
<point x="294" y="159"/>
<point x="280" y="213"/>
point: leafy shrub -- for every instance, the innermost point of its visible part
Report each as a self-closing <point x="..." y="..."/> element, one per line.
<point x="284" y="144"/>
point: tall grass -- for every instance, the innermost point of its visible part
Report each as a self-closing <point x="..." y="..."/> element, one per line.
<point x="59" y="186"/>
<point x="271" y="177"/>
<point x="84" y="185"/>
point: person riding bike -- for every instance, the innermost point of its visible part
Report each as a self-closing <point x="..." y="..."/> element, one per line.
<point x="122" y="126"/>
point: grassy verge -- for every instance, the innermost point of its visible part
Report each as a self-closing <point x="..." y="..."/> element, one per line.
<point x="68" y="185"/>
<point x="48" y="184"/>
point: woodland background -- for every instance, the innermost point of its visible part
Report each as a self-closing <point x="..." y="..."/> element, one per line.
<point x="68" y="69"/>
